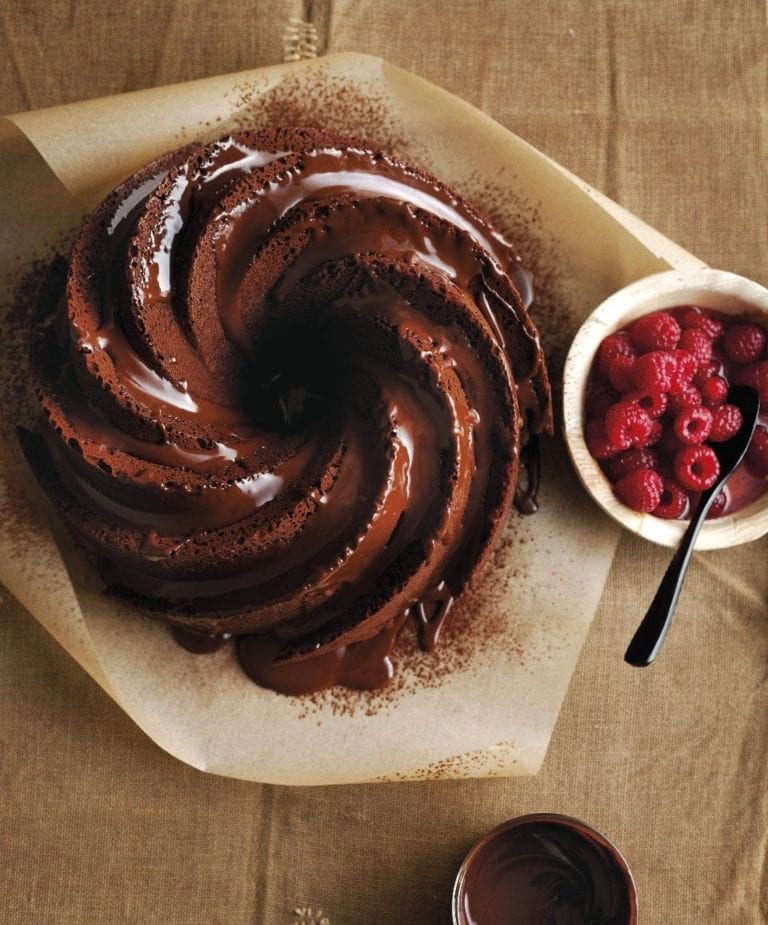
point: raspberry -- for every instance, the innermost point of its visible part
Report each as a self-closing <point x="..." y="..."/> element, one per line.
<point x="613" y="346"/>
<point x="658" y="331"/>
<point x="757" y="454"/>
<point x="686" y="368"/>
<point x="706" y="371"/>
<point x="714" y="391"/>
<point x="597" y="440"/>
<point x="695" y="341"/>
<point x="743" y="343"/>
<point x="654" y="434"/>
<point x="627" y="424"/>
<point x="630" y="461"/>
<point x="654" y="370"/>
<point x="650" y="400"/>
<point x="702" y="320"/>
<point x="674" y="502"/>
<point x="692" y="424"/>
<point x="726" y="422"/>
<point x="696" y="467"/>
<point x="755" y="375"/>
<point x="686" y="397"/>
<point x="640" y="490"/>
<point x="620" y="372"/>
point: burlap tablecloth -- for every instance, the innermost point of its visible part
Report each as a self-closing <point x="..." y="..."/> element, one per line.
<point x="663" y="107"/>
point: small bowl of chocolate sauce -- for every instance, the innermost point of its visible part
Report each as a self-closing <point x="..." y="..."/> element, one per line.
<point x="544" y="869"/>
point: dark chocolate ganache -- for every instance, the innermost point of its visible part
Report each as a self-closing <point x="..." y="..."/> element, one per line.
<point x="286" y="381"/>
<point x="545" y="870"/>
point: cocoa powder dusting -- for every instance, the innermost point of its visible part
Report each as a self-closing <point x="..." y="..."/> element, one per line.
<point x="18" y="313"/>
<point x="330" y="103"/>
<point x="18" y="403"/>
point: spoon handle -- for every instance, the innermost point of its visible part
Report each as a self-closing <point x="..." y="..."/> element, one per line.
<point x="650" y="634"/>
<point x="647" y="641"/>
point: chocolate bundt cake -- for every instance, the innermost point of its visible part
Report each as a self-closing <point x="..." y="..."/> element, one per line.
<point x="285" y="391"/>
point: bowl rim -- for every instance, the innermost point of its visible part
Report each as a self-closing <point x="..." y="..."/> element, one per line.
<point x="572" y="824"/>
<point x="710" y="288"/>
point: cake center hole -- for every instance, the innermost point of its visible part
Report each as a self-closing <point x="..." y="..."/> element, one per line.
<point x="288" y="388"/>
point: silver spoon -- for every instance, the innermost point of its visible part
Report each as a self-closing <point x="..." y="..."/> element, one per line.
<point x="649" y="637"/>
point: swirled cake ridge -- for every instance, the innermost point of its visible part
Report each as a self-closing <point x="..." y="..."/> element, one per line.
<point x="285" y="393"/>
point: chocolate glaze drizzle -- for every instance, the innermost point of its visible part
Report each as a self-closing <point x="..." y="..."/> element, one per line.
<point x="284" y="397"/>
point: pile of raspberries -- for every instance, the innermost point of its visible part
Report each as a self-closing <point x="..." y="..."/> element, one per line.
<point x="657" y="398"/>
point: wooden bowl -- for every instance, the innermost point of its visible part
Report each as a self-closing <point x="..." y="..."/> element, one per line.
<point x="716" y="289"/>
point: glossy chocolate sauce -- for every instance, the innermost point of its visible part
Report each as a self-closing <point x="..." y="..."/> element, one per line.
<point x="286" y="396"/>
<point x="365" y="665"/>
<point x="545" y="869"/>
<point x="199" y="643"/>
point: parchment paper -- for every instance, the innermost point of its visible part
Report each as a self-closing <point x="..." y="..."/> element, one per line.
<point x="486" y="703"/>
